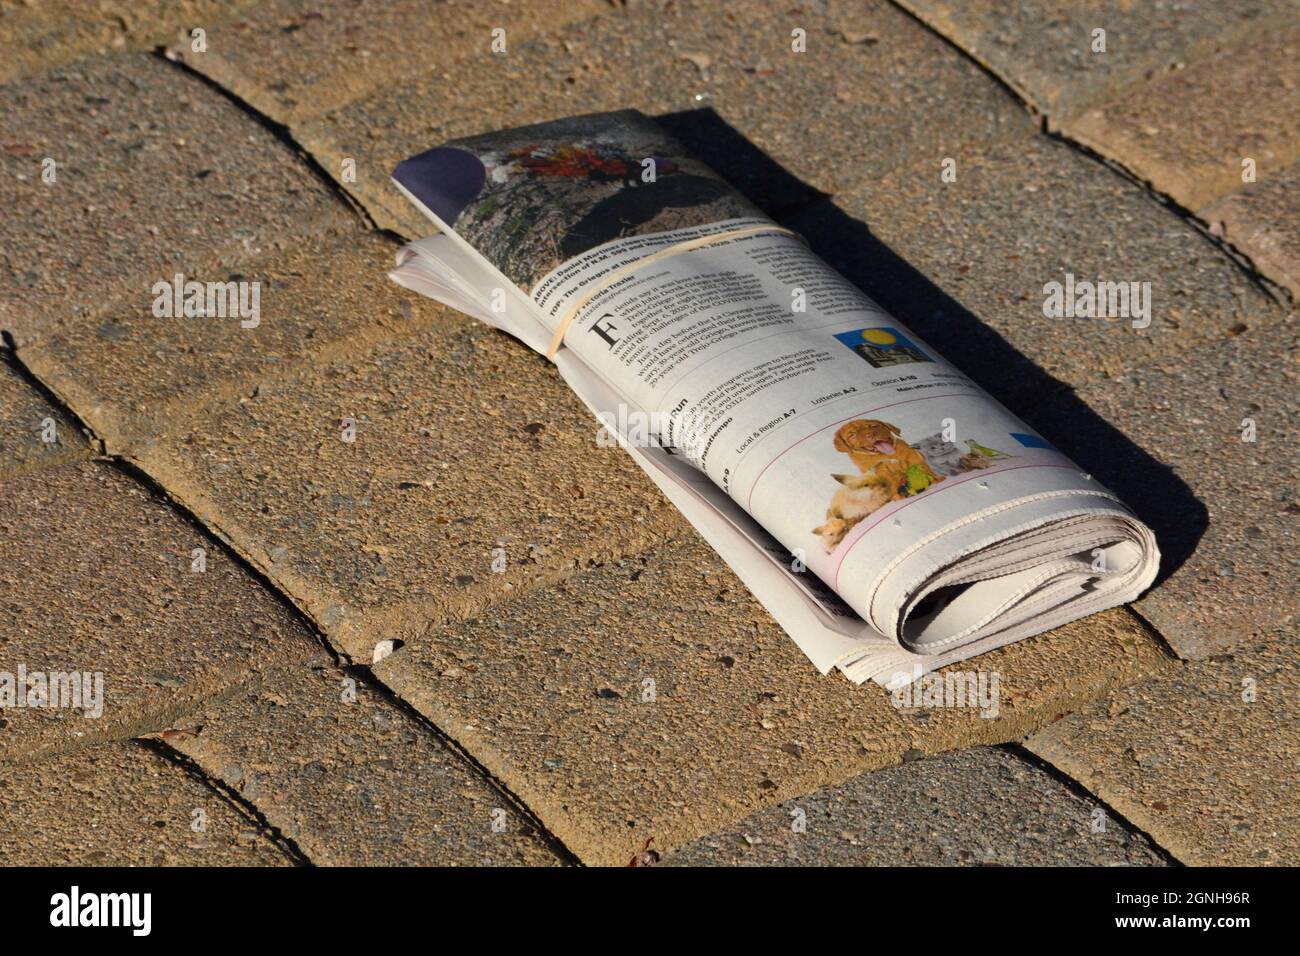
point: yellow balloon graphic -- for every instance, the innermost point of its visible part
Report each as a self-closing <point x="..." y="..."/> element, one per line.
<point x="878" y="337"/>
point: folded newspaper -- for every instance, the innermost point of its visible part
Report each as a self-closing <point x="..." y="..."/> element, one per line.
<point x="890" y="515"/>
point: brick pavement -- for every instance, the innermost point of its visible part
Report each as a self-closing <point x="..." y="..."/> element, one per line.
<point x="229" y="163"/>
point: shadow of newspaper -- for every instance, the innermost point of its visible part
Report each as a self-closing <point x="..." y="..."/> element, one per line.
<point x="1150" y="487"/>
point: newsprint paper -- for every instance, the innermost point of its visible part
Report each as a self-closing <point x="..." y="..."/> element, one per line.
<point x="890" y="515"/>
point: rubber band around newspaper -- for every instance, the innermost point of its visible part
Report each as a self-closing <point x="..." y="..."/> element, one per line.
<point x="558" y="339"/>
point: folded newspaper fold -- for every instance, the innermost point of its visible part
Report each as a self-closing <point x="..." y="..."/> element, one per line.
<point x="889" y="514"/>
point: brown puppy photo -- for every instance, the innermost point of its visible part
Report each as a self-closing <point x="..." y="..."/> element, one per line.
<point x="878" y="447"/>
<point x="889" y="468"/>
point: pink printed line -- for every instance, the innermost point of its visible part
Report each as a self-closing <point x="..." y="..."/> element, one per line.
<point x="924" y="398"/>
<point x="857" y="535"/>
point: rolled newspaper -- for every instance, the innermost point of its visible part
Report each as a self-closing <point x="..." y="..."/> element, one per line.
<point x="891" y="515"/>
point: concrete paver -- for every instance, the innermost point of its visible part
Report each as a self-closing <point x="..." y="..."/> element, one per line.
<point x="966" y="264"/>
<point x="1203" y="760"/>
<point x="1213" y="436"/>
<point x="291" y="59"/>
<point x="353" y="780"/>
<point x="415" y="480"/>
<point x="153" y="174"/>
<point x="980" y="807"/>
<point x="1044" y="48"/>
<point x="97" y="577"/>
<point x="1263" y="221"/>
<point x="133" y="375"/>
<point x="37" y="36"/>
<point x="1188" y="132"/>
<point x="118" y="804"/>
<point x="626" y="695"/>
<point x="33" y="433"/>
<point x="874" y="90"/>
<point x="654" y="698"/>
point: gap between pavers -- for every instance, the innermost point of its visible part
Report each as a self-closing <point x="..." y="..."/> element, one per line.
<point x="131" y="375"/>
<point x="289" y="62"/>
<point x="979" y="807"/>
<point x="155" y="173"/>
<point x="351" y="779"/>
<point x="855" y="101"/>
<point x="1043" y="49"/>
<point x="1210" y="462"/>
<point x="118" y="804"/>
<point x="1262" y="220"/>
<point x="966" y="264"/>
<point x="1187" y="132"/>
<point x="653" y="698"/>
<point x="1203" y="759"/>
<point x="100" y="576"/>
<point x="34" y="434"/>
<point x="469" y="457"/>
<point x="472" y="474"/>
<point x="1180" y="98"/>
<point x="38" y="36"/>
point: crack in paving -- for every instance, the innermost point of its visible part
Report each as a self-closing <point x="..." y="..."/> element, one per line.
<point x="1239" y="258"/>
<point x="1079" y="790"/>
<point x="280" y="131"/>
<point x="232" y="797"/>
<point x="553" y="842"/>
<point x="131" y="468"/>
<point x="9" y="351"/>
